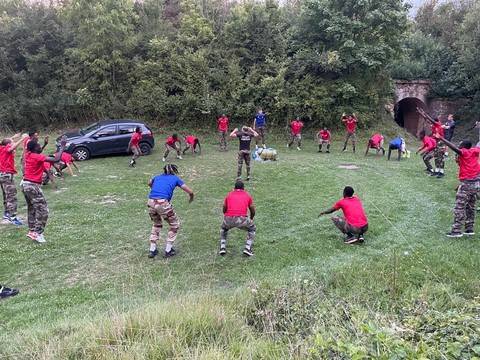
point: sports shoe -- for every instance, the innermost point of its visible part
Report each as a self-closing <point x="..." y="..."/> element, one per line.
<point x="248" y="178"/>
<point x="344" y="149"/>
<point x="440" y="175"/>
<point x="152" y="254"/>
<point x="15" y="221"/>
<point x="163" y="159"/>
<point x="57" y="175"/>
<point x="408" y="154"/>
<point x="350" y="240"/>
<point x="6" y="292"/>
<point x="319" y="150"/>
<point x="132" y="164"/>
<point x="434" y="173"/>
<point x="298" y="148"/>
<point x="288" y="145"/>
<point x="179" y="157"/>
<point x="469" y="232"/>
<point x="361" y="238"/>
<point x="5" y="216"/>
<point x="40" y="239"/>
<point x="248" y="252"/>
<point x="239" y="178"/>
<point x="264" y="146"/>
<point x="222" y="251"/>
<point x="454" y="234"/>
<point x="32" y="235"/>
<point x="171" y="253"/>
<point x="328" y="151"/>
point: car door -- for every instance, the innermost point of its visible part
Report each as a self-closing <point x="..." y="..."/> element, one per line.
<point x="104" y="141"/>
<point x="125" y="133"/>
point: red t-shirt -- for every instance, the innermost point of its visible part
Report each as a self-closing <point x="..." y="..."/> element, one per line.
<point x="468" y="163"/>
<point x="353" y="210"/>
<point x="25" y="142"/>
<point x="350" y="124"/>
<point x="66" y="157"/>
<point x="376" y="139"/>
<point x="171" y="142"/>
<point x="428" y="144"/>
<point x="222" y="124"/>
<point x="34" y="166"/>
<point x="47" y="165"/>
<point x="296" y="127"/>
<point x="190" y="139"/>
<point x="437" y="129"/>
<point x="7" y="159"/>
<point x="237" y="203"/>
<point x="325" y="135"/>
<point x="135" y="139"/>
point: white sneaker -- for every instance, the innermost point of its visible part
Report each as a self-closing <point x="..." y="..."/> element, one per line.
<point x="179" y="157"/>
<point x="163" y="159"/>
<point x="40" y="239"/>
<point x="298" y="148"/>
<point x="264" y="146"/>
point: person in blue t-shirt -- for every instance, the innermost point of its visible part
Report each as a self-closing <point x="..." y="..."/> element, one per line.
<point x="259" y="126"/>
<point x="159" y="206"/>
<point x="398" y="144"/>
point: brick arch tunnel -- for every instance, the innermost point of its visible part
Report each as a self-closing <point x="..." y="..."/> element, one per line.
<point x="406" y="114"/>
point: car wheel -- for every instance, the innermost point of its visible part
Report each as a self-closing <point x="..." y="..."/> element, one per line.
<point x="81" y="153"/>
<point x="145" y="149"/>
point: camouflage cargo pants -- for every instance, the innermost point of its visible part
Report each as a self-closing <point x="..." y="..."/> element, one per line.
<point x="293" y="137"/>
<point x="36" y="206"/>
<point x="464" y="209"/>
<point x="440" y="155"/>
<point x="240" y="222"/>
<point x="261" y="134"/>
<point x="427" y="157"/>
<point x="346" y="228"/>
<point x="159" y="209"/>
<point x="243" y="155"/>
<point x="169" y="148"/>
<point x="352" y="136"/>
<point x="9" y="191"/>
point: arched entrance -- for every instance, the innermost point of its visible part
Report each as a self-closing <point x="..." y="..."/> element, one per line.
<point x="406" y="115"/>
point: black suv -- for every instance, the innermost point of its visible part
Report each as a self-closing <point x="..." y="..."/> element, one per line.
<point x="106" y="137"/>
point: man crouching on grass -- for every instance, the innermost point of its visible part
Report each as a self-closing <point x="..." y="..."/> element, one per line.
<point x="355" y="221"/>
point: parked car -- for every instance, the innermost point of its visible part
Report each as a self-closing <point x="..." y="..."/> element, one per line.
<point x="106" y="137"/>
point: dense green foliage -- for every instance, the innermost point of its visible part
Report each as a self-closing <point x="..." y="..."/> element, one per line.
<point x="189" y="61"/>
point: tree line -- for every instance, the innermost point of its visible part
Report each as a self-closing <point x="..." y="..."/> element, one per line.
<point x="186" y="62"/>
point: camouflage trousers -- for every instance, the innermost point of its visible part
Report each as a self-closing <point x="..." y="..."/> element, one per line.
<point x="346" y="228"/>
<point x="293" y="137"/>
<point x="169" y="148"/>
<point x="36" y="206"/>
<point x="353" y="137"/>
<point x="464" y="209"/>
<point x="9" y="191"/>
<point x="440" y="155"/>
<point x="261" y="134"/>
<point x="240" y="222"/>
<point x="427" y="157"/>
<point x="243" y="155"/>
<point x="223" y="140"/>
<point x="159" y="209"/>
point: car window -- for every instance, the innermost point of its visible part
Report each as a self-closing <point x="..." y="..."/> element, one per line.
<point x="126" y="129"/>
<point x="90" y="128"/>
<point x="107" y="131"/>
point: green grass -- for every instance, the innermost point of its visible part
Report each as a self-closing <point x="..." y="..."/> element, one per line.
<point x="83" y="290"/>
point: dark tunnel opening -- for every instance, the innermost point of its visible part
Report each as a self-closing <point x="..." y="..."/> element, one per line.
<point x="406" y="115"/>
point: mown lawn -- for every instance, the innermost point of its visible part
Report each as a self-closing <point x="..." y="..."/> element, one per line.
<point x="94" y="269"/>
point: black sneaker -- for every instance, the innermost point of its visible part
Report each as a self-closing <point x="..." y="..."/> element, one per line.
<point x="440" y="175"/>
<point x="328" y="151"/>
<point x="469" y="232"/>
<point x="248" y="252"/>
<point x="350" y="240"/>
<point x="248" y="178"/>
<point x="434" y="173"/>
<point x="428" y="171"/>
<point x="171" y="253"/>
<point x="319" y="150"/>
<point x="454" y="234"/>
<point x="222" y="251"/>
<point x="361" y="238"/>
<point x="7" y="292"/>
<point x="152" y="254"/>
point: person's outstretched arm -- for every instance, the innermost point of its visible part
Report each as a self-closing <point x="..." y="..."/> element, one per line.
<point x="189" y="191"/>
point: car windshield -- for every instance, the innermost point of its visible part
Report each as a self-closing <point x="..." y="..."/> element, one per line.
<point x="90" y="128"/>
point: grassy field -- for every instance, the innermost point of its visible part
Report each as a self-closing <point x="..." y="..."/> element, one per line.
<point x="91" y="292"/>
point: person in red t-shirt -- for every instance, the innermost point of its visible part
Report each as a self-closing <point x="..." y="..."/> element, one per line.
<point x="355" y="221"/>
<point x="324" y="136"/>
<point x="223" y="128"/>
<point x="172" y="143"/>
<point x="438" y="135"/>
<point x="65" y="161"/>
<point x="296" y="126"/>
<point x="7" y="172"/>
<point x="429" y="146"/>
<point x="32" y="188"/>
<point x="376" y="142"/>
<point x="468" y="174"/>
<point x="32" y="136"/>
<point x="133" y="145"/>
<point x="191" y="142"/>
<point x="235" y="208"/>
<point x="351" y="122"/>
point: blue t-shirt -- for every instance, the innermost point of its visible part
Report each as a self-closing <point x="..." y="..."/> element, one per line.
<point x="163" y="186"/>
<point x="260" y="120"/>
<point x="396" y="143"/>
